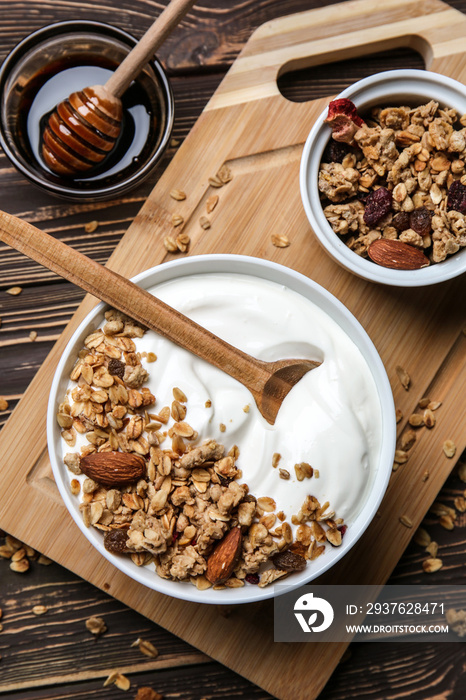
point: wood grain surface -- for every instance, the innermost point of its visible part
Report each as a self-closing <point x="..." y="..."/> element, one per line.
<point x="46" y="304"/>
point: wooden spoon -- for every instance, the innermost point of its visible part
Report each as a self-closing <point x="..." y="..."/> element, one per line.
<point x="83" y="129"/>
<point x="268" y="382"/>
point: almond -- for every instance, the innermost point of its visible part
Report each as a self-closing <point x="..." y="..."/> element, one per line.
<point x="113" y="468"/>
<point x="223" y="559"/>
<point x="396" y="255"/>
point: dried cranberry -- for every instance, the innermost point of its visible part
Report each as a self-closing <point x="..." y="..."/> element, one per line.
<point x="401" y="221"/>
<point x="343" y="529"/>
<point x="420" y="220"/>
<point x="378" y="204"/>
<point x="175" y="536"/>
<point x="456" y="199"/>
<point x="289" y="561"/>
<point x="252" y="578"/>
<point x="336" y="151"/>
<point x="115" y="541"/>
<point x="117" y="368"/>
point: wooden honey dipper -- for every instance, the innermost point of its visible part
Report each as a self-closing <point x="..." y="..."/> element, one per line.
<point x="83" y="129"/>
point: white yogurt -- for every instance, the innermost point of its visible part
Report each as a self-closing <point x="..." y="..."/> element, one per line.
<point x="330" y="419"/>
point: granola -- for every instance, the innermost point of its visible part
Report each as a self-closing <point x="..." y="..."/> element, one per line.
<point x="417" y="155"/>
<point x="189" y="496"/>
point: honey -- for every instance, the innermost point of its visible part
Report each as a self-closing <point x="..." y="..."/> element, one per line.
<point x="57" y="81"/>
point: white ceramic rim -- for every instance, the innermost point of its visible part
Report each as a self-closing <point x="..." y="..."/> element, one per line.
<point x="329" y="304"/>
<point x="397" y="85"/>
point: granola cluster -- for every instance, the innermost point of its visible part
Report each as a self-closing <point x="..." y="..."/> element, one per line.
<point x="402" y="176"/>
<point x="190" y="496"/>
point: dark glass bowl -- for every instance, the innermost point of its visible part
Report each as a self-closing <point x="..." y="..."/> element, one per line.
<point x="61" y="46"/>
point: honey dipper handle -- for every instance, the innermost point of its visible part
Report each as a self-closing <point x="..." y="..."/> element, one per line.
<point x="124" y="295"/>
<point x="146" y="47"/>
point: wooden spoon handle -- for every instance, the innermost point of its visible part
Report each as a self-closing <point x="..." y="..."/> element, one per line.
<point x="146" y="47"/>
<point x="124" y="295"/>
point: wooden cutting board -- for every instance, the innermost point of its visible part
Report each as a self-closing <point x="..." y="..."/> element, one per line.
<point x="250" y="127"/>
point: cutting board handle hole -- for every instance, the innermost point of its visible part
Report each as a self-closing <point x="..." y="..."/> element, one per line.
<point x="306" y="83"/>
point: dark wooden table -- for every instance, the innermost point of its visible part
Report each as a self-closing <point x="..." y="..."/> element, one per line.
<point x="53" y="655"/>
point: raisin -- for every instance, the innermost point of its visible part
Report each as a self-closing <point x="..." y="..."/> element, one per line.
<point x="289" y="561"/>
<point x="336" y="151"/>
<point x="420" y="220"/>
<point x="117" y="368"/>
<point x="115" y="541"/>
<point x="378" y="204"/>
<point x="401" y="221"/>
<point x="456" y="199"/>
<point x="252" y="578"/>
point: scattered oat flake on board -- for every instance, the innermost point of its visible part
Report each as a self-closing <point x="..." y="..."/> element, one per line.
<point x="182" y="242"/>
<point x="449" y="449"/>
<point x="39" y="609"/>
<point x="399" y="415"/>
<point x="14" y="291"/>
<point x="145" y="693"/>
<point x="403" y="376"/>
<point x="447" y="522"/>
<point x="177" y="220"/>
<point x="20" y="567"/>
<point x="146" y="648"/>
<point x="416" y="419"/>
<point x="407" y="522"/>
<point x="432" y="565"/>
<point x="422" y="537"/>
<point x="96" y="626"/>
<point x="225" y="174"/>
<point x="460" y="504"/>
<point x="462" y="471"/>
<point x="45" y="561"/>
<point x="211" y="203"/>
<point x="429" y="418"/>
<point x="111" y="678"/>
<point x="170" y="244"/>
<point x="456" y="620"/>
<point x="407" y="440"/>
<point x="91" y="226"/>
<point x="280" y="241"/>
<point x="3" y="404"/>
<point x="215" y="182"/>
<point x="122" y="682"/>
<point x="32" y="336"/>
<point x="179" y="195"/>
<point x="204" y="222"/>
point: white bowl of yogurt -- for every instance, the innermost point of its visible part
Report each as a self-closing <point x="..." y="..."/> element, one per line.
<point x="339" y="418"/>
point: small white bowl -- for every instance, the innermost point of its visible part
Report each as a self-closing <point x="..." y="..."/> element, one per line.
<point x="328" y="304"/>
<point x="397" y="87"/>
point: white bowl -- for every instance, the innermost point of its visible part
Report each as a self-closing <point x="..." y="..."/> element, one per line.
<point x="327" y="303"/>
<point x="397" y="87"/>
